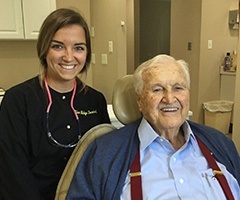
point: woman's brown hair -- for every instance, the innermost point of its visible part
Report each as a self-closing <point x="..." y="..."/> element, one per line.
<point x="55" y="21"/>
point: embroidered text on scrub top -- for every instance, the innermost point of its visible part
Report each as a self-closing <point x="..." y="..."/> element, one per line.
<point x="85" y="113"/>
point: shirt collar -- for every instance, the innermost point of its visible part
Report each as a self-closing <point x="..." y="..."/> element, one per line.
<point x="147" y="135"/>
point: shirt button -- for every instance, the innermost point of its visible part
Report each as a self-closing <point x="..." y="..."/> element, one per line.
<point x="63" y="97"/>
<point x="181" y="181"/>
<point x="65" y="158"/>
<point x="68" y="126"/>
<point x="174" y="159"/>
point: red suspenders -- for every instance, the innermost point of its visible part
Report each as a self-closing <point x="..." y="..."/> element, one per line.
<point x="136" y="181"/>
<point x="217" y="172"/>
<point x="135" y="178"/>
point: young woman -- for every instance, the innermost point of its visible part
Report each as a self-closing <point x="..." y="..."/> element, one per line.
<point x="42" y="119"/>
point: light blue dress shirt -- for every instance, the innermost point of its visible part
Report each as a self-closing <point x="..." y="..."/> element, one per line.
<point x="172" y="175"/>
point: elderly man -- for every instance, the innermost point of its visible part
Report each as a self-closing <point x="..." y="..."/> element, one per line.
<point x="162" y="155"/>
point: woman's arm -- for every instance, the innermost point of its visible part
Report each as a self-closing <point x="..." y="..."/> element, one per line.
<point x="16" y="179"/>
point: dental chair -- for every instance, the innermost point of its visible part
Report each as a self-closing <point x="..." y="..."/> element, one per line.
<point x="124" y="100"/>
<point x="82" y="145"/>
<point x="126" y="111"/>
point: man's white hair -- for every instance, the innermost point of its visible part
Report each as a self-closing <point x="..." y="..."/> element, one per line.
<point x="155" y="61"/>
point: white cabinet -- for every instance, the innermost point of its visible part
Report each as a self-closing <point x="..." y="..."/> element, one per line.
<point x="11" y="22"/>
<point x="22" y="19"/>
<point x="227" y="85"/>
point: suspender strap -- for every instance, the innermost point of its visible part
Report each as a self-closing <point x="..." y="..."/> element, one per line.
<point x="217" y="172"/>
<point x="135" y="178"/>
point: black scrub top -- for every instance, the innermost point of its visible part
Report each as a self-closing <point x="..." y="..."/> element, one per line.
<point x="30" y="164"/>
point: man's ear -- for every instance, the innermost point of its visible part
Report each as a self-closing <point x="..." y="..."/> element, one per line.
<point x="138" y="99"/>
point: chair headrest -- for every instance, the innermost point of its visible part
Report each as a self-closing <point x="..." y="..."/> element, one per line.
<point x="124" y="100"/>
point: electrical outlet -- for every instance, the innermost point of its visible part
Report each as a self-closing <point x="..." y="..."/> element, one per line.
<point x="92" y="31"/>
<point x="110" y="46"/>
<point x="210" y="44"/>
<point x="189" y="46"/>
<point x="93" y="58"/>
<point x="104" y="59"/>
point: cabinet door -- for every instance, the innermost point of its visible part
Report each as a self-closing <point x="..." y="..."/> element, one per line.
<point x="11" y="22"/>
<point x="35" y="11"/>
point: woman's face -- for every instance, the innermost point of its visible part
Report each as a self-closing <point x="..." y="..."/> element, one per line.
<point x="67" y="54"/>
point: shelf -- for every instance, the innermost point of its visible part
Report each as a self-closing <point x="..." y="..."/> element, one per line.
<point x="228" y="73"/>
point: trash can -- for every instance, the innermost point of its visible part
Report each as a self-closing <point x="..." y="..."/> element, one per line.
<point x="217" y="114"/>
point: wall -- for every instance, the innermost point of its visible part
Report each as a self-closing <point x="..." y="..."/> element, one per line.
<point x="236" y="108"/>
<point x="132" y="40"/>
<point x="186" y="27"/>
<point x="197" y="22"/>
<point x="107" y="25"/>
<point x="18" y="62"/>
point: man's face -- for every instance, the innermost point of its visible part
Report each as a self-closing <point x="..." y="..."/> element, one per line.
<point x="164" y="101"/>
